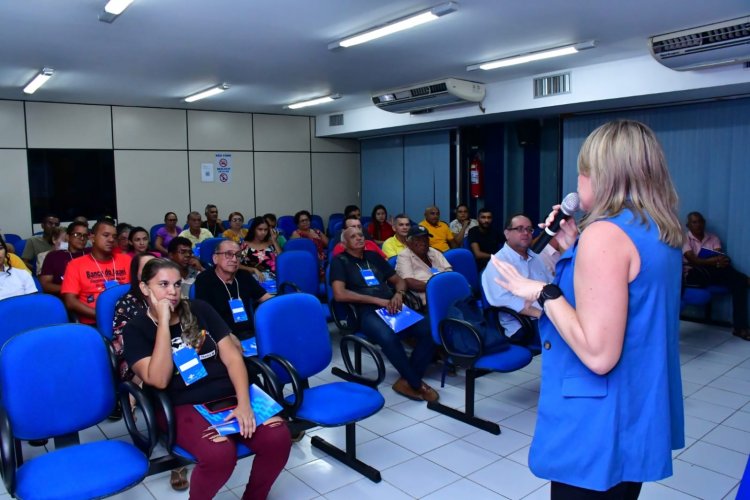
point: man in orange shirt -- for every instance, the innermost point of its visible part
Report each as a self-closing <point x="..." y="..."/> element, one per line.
<point x="88" y="276"/>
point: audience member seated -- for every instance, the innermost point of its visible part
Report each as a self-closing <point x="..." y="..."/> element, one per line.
<point x="271" y="221"/>
<point x="380" y="228"/>
<point x="122" y="242"/>
<point x="165" y="233"/>
<point x="53" y="270"/>
<point x="418" y="262"/>
<point x="484" y="240"/>
<point x="213" y="221"/>
<point x="15" y="260"/>
<point x="13" y="281"/>
<point x="441" y="236"/>
<point x="171" y="324"/>
<point x="59" y="242"/>
<point x="302" y="220"/>
<point x="461" y="225"/>
<point x="352" y="210"/>
<point x="195" y="233"/>
<point x="362" y="278"/>
<point x="231" y="291"/>
<point x="715" y="269"/>
<point x="89" y="275"/>
<point x="516" y="252"/>
<point x="236" y="232"/>
<point x="370" y="245"/>
<point x="396" y="243"/>
<point x="139" y="241"/>
<point x="180" y="251"/>
<point x="261" y="248"/>
<point x="43" y="243"/>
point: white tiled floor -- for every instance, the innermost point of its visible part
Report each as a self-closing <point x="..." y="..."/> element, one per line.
<point x="422" y="454"/>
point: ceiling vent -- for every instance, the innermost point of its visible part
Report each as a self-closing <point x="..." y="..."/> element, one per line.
<point x="546" y="86"/>
<point x="427" y="96"/>
<point x="712" y="45"/>
<point x="336" y="120"/>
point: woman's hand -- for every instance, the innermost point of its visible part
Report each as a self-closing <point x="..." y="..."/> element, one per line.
<point x="245" y="417"/>
<point x="568" y="232"/>
<point x="163" y="309"/>
<point x="515" y="283"/>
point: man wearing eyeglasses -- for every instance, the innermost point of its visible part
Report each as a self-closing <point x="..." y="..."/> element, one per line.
<point x="518" y="236"/>
<point x="180" y="251"/>
<point x="441" y="237"/>
<point x="38" y="244"/>
<point x="231" y="291"/>
<point x="53" y="270"/>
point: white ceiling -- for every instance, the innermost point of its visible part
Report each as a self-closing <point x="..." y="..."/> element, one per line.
<point x="274" y="52"/>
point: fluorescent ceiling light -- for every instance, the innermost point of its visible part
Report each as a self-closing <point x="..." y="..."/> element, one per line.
<point x="207" y="93"/>
<point x="533" y="56"/>
<point x="313" y="102"/>
<point x="396" y="25"/>
<point x="113" y="9"/>
<point x="39" y="80"/>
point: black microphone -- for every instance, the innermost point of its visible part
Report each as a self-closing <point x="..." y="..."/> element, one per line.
<point x="568" y="207"/>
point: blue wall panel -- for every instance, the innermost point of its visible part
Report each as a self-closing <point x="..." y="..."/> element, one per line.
<point x="382" y="161"/>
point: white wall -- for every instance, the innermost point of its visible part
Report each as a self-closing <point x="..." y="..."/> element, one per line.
<point x="277" y="163"/>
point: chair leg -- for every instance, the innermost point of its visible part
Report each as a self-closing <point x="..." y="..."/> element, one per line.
<point x="467" y="416"/>
<point x="348" y="457"/>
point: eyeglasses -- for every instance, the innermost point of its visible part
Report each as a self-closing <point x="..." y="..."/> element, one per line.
<point x="230" y="255"/>
<point x="522" y="229"/>
<point x="237" y="219"/>
<point x="80" y="235"/>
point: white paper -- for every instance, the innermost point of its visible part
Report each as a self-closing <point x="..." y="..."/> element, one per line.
<point x="207" y="172"/>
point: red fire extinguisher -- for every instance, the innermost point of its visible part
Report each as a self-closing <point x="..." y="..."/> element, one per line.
<point x="476" y="174"/>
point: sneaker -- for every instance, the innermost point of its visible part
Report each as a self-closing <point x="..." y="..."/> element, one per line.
<point x="402" y="387"/>
<point x="428" y="393"/>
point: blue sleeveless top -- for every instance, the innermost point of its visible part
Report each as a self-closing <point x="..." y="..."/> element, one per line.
<point x="594" y="431"/>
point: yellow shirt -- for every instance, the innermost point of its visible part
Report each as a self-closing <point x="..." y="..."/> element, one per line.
<point x="441" y="235"/>
<point x="229" y="234"/>
<point x="392" y="247"/>
<point x="15" y="261"/>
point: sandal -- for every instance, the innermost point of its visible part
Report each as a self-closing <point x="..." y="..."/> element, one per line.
<point x="178" y="479"/>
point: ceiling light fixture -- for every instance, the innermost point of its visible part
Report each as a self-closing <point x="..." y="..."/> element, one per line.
<point x="396" y="25"/>
<point x="533" y="56"/>
<point x="207" y="93"/>
<point x="113" y="9"/>
<point x="314" y="102"/>
<point x="39" y="80"/>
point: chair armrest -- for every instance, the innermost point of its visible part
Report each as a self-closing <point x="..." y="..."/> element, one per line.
<point x="347" y="322"/>
<point x="269" y="381"/>
<point x="290" y="409"/>
<point x="448" y="342"/>
<point x="281" y="287"/>
<point x="161" y="402"/>
<point x="147" y="442"/>
<point x="374" y="354"/>
<point x="8" y="463"/>
<point x="521" y="318"/>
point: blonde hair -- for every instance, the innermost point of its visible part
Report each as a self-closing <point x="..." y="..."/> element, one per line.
<point x="627" y="169"/>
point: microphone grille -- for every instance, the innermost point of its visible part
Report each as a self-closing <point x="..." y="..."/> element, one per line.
<point x="569" y="204"/>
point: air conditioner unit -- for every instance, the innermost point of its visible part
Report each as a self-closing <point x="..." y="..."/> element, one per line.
<point x="712" y="45"/>
<point x="426" y="96"/>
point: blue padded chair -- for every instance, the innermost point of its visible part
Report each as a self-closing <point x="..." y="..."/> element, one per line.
<point x="26" y="312"/>
<point x="462" y="261"/>
<point x="297" y="271"/>
<point x="702" y="297"/>
<point x="153" y="230"/>
<point x="442" y="290"/>
<point x="365" y="219"/>
<point x="293" y="340"/>
<point x="492" y="315"/>
<point x="105" y="309"/>
<point x="12" y="238"/>
<point x="37" y="283"/>
<point x="302" y="244"/>
<point x="392" y="261"/>
<point x="316" y="222"/>
<point x="19" y="247"/>
<point x="286" y="225"/>
<point x="207" y="251"/>
<point x="332" y="219"/>
<point x="55" y="381"/>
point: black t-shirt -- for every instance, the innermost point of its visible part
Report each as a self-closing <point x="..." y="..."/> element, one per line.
<point x="209" y="287"/>
<point x="139" y="337"/>
<point x="489" y="242"/>
<point x="216" y="229"/>
<point x="347" y="268"/>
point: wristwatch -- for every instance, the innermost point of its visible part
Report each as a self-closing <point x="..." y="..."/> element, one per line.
<point x="549" y="292"/>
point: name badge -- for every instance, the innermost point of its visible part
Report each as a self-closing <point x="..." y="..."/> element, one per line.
<point x="370" y="279"/>
<point x="189" y="365"/>
<point x="238" y="310"/>
<point x="110" y="284"/>
<point x="434" y="270"/>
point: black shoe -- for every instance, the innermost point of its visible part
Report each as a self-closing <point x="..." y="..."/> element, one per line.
<point x="38" y="442"/>
<point x="116" y="413"/>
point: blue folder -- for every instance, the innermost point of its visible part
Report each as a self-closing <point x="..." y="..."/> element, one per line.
<point x="264" y="407"/>
<point x="401" y="320"/>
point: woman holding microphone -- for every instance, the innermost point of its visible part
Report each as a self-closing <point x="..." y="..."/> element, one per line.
<point x="610" y="404"/>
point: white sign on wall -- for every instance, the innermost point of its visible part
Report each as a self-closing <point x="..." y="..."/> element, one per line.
<point x="207" y="172"/>
<point x="223" y="164"/>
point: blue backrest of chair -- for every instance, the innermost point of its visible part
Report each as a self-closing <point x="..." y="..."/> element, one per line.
<point x="56" y="380"/>
<point x="12" y="238"/>
<point x="286" y="225"/>
<point x="298" y="267"/>
<point x="316" y="221"/>
<point x="392" y="261"/>
<point x="25" y="312"/>
<point x="293" y="326"/>
<point x="302" y="244"/>
<point x="462" y="261"/>
<point x="105" y="309"/>
<point x="207" y="250"/>
<point x="37" y="283"/>
<point x="443" y="290"/>
<point x="19" y="246"/>
<point x="153" y="230"/>
<point x="332" y="219"/>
